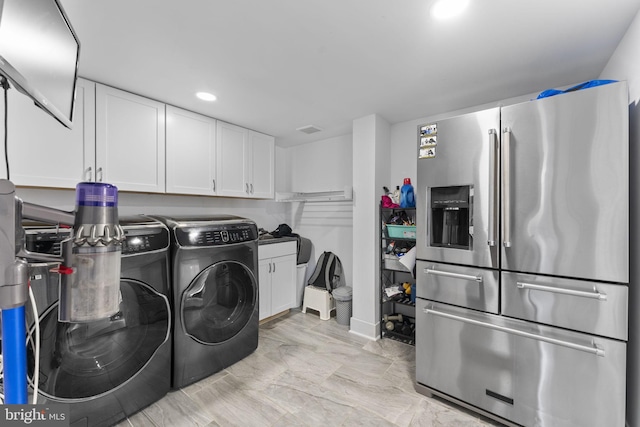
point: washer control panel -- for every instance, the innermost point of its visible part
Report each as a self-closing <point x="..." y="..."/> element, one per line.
<point x="218" y="234"/>
<point x="144" y="240"/>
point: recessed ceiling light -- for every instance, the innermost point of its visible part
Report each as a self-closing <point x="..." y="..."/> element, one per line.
<point x="445" y="9"/>
<point x="206" y="96"/>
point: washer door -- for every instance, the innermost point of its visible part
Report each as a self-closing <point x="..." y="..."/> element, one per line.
<point x="219" y="302"/>
<point x="80" y="361"/>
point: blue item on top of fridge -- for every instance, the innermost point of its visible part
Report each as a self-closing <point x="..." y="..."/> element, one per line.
<point x="591" y="83"/>
<point x="407" y="198"/>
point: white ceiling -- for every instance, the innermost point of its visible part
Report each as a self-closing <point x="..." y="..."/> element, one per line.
<point x="277" y="65"/>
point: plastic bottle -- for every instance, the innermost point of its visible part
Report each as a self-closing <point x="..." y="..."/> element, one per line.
<point x="407" y="198"/>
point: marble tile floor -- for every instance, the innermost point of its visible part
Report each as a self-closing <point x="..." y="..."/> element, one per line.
<point x="309" y="372"/>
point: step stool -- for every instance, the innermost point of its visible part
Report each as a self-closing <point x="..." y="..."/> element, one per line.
<point x="318" y="299"/>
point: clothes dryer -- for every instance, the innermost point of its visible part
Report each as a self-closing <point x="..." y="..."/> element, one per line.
<point x="109" y="369"/>
<point x="214" y="263"/>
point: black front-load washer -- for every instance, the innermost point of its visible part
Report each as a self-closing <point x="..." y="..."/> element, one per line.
<point x="109" y="369"/>
<point x="214" y="263"/>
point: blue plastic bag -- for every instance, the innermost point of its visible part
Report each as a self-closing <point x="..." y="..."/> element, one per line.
<point x="591" y="83"/>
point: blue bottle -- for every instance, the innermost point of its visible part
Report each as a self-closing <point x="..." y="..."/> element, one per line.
<point x="407" y="198"/>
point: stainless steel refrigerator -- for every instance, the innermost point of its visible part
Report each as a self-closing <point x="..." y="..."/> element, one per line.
<point x="523" y="259"/>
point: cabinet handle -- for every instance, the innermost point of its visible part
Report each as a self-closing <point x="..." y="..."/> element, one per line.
<point x="214" y="185"/>
<point x="99" y="171"/>
<point x="585" y="294"/>
<point x="274" y="267"/>
<point x="589" y="349"/>
<point x="270" y="267"/>
<point x="246" y="188"/>
<point x="89" y="171"/>
<point x="251" y="186"/>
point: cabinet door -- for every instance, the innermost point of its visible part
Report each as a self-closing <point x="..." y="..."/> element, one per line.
<point x="264" y="288"/>
<point x="42" y="152"/>
<point x="232" y="143"/>
<point x="261" y="167"/>
<point x="130" y="140"/>
<point x="191" y="153"/>
<point x="283" y="283"/>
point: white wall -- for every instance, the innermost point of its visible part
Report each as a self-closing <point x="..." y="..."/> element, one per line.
<point x="624" y="64"/>
<point x="370" y="173"/>
<point x="324" y="165"/>
<point x="404" y="139"/>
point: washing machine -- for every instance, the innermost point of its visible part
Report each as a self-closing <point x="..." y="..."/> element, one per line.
<point x="109" y="369"/>
<point x="214" y="263"/>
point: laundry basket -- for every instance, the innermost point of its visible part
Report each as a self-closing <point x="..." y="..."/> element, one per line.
<point x="342" y="297"/>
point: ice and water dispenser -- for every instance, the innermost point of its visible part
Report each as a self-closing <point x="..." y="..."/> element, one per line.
<point x="451" y="217"/>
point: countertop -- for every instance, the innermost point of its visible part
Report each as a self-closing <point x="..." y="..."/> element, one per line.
<point x="268" y="239"/>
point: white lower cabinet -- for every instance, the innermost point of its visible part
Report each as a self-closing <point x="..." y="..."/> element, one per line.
<point x="277" y="277"/>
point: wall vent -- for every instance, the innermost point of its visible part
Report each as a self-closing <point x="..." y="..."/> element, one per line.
<point x="309" y="129"/>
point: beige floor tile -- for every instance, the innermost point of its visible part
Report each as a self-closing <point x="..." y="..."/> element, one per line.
<point x="309" y="372"/>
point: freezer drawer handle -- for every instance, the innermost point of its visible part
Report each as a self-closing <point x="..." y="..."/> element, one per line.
<point x="594" y="295"/>
<point x="588" y="349"/>
<point x="477" y="278"/>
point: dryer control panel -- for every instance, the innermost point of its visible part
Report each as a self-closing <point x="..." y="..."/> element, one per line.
<point x="46" y="240"/>
<point x="218" y="234"/>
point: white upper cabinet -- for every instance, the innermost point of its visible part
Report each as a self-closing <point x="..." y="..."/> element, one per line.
<point x="262" y="165"/>
<point x="130" y="140"/>
<point x="191" y="153"/>
<point x="245" y="162"/>
<point x="44" y="153"/>
<point x="232" y="141"/>
<point x="136" y="144"/>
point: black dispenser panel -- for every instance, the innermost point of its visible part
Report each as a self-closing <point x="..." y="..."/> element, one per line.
<point x="451" y="217"/>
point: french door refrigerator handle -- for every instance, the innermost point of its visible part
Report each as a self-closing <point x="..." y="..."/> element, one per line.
<point x="585" y="294"/>
<point x="506" y="188"/>
<point x="588" y="349"/>
<point x="477" y="278"/>
<point x="493" y="182"/>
